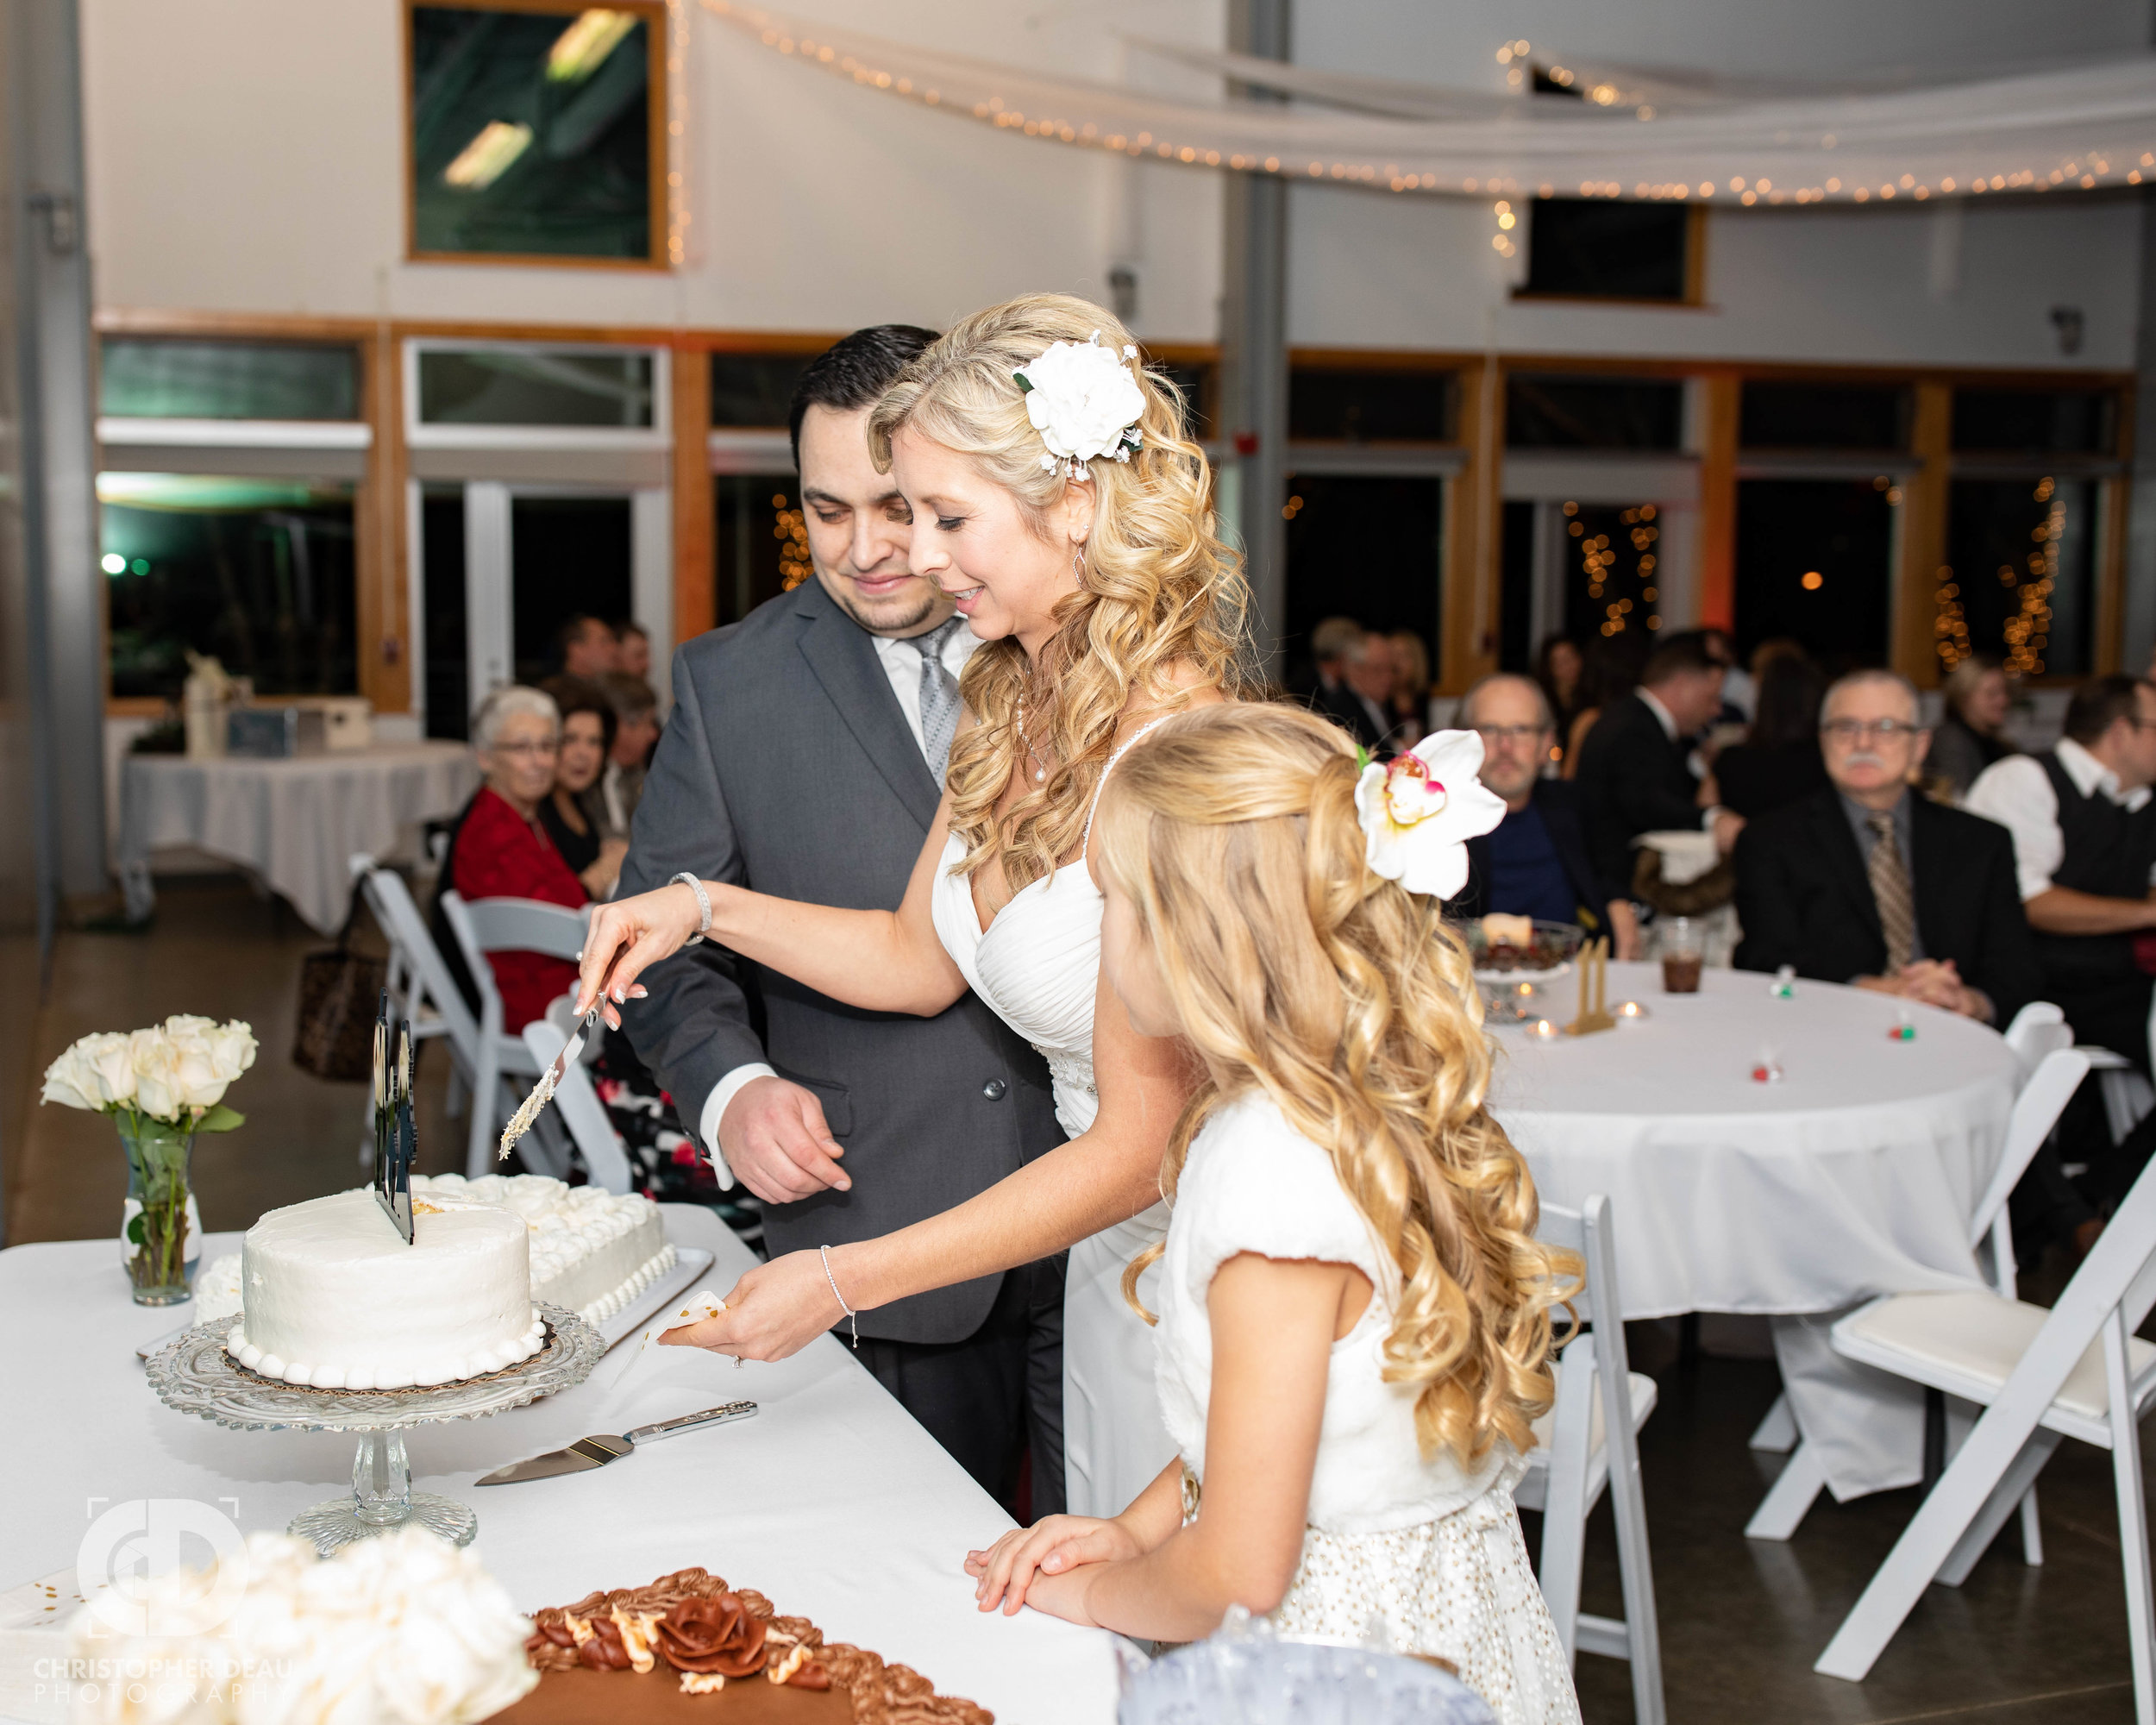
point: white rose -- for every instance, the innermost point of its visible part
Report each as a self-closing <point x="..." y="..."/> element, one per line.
<point x="188" y="1024"/>
<point x="112" y="1063"/>
<point x="71" y="1081"/>
<point x="232" y="1047"/>
<point x="1082" y="399"/>
<point x="1419" y="810"/>
<point x="156" y="1059"/>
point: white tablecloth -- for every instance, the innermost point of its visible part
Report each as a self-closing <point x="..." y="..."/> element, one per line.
<point x="1853" y="1176"/>
<point x="833" y="1500"/>
<point x="293" y="823"/>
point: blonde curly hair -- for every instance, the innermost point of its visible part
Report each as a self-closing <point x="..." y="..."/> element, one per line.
<point x="1159" y="590"/>
<point x="1298" y="973"/>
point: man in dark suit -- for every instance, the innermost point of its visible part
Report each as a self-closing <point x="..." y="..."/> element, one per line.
<point x="1868" y="883"/>
<point x="1635" y="774"/>
<point x="1354" y="672"/>
<point x="1534" y="862"/>
<point x="849" y="680"/>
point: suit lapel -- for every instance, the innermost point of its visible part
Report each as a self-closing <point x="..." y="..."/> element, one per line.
<point x="1838" y="844"/>
<point x="842" y="656"/>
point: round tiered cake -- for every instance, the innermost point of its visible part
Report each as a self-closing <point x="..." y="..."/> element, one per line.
<point x="332" y="1297"/>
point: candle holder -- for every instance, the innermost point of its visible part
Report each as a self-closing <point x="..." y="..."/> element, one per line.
<point x="1594" y="991"/>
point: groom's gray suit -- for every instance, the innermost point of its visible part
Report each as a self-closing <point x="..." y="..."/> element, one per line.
<point x="788" y="766"/>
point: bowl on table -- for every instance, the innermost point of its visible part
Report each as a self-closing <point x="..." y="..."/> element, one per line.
<point x="1516" y="959"/>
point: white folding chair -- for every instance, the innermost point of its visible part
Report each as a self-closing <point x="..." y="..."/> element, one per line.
<point x="484" y="925"/>
<point x="418" y="977"/>
<point x="582" y="1111"/>
<point x="2036" y="1111"/>
<point x="1590" y="1441"/>
<point x="2075" y="1371"/>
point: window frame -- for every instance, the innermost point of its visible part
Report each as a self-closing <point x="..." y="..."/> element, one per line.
<point x="657" y="155"/>
<point x="420" y="435"/>
<point x="1694" y="298"/>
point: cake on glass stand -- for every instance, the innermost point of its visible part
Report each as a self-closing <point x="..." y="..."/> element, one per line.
<point x="195" y="1374"/>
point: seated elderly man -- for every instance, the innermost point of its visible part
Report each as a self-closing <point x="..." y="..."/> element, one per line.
<point x="1355" y="673"/>
<point x="1535" y="862"/>
<point x="1868" y="883"/>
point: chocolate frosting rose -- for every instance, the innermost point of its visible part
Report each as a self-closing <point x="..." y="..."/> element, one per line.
<point x="715" y="1634"/>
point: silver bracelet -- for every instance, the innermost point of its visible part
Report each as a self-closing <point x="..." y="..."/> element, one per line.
<point x="703" y="904"/>
<point x="852" y="1316"/>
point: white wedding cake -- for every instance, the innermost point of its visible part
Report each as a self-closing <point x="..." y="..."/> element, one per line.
<point x="332" y="1297"/>
<point x="591" y="1250"/>
<point x="585" y="1248"/>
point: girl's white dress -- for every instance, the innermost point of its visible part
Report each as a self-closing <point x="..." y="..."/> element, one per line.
<point x="1430" y="1550"/>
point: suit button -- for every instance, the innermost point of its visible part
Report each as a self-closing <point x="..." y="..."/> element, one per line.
<point x="993" y="1089"/>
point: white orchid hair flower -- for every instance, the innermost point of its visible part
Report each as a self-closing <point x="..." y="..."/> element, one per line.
<point x="1418" y="810"/>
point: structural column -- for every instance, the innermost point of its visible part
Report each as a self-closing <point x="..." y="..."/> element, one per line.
<point x="1254" y="345"/>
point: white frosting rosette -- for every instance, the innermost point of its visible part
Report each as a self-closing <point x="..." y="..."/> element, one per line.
<point x="1420" y="809"/>
<point x="1084" y="402"/>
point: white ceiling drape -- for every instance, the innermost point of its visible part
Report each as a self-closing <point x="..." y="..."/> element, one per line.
<point x="1638" y="133"/>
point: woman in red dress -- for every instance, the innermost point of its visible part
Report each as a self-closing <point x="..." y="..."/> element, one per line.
<point x="502" y="852"/>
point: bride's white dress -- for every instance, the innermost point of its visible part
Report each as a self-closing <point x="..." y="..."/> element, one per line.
<point x="1038" y="967"/>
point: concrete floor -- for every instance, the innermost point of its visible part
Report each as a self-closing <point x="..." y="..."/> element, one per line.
<point x="1741" y="1620"/>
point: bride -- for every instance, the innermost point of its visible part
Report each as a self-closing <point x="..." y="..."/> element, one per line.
<point x="1058" y="499"/>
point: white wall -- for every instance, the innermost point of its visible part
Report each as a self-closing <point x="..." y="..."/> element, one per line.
<point x="246" y="156"/>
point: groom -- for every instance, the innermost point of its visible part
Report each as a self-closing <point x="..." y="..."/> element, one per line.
<point x="805" y="758"/>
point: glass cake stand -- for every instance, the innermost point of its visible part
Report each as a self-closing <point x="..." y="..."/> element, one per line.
<point x="193" y="1374"/>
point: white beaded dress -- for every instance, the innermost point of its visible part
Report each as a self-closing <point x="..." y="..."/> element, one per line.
<point x="1430" y="1550"/>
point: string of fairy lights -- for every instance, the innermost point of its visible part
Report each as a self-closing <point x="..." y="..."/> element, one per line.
<point x="1601" y="556"/>
<point x="2085" y="170"/>
<point x="2026" y="634"/>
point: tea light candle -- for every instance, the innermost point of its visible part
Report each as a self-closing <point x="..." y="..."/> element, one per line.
<point x="1629" y="1009"/>
<point x="1543" y="1028"/>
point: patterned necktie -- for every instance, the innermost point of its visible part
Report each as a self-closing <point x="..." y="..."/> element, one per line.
<point x="939" y="698"/>
<point x="1890" y="890"/>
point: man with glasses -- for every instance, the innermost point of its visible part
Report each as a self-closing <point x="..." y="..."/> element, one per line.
<point x="1869" y="883"/>
<point x="1535" y="863"/>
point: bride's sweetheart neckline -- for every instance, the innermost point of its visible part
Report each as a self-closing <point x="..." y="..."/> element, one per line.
<point x="1043" y="880"/>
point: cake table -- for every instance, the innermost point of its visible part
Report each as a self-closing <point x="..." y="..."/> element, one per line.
<point x="833" y="1500"/>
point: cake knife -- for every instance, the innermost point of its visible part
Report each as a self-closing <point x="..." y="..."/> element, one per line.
<point x="590" y="1453"/>
<point x="542" y="1091"/>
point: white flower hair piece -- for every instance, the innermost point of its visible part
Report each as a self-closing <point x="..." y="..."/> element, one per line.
<point x="1085" y="404"/>
<point x="1418" y="810"/>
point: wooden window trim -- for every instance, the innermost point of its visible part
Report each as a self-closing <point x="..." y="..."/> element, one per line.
<point x="658" y="157"/>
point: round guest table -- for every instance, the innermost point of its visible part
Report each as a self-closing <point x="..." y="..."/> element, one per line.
<point x="293" y="823"/>
<point x="832" y="1502"/>
<point x="1852" y="1175"/>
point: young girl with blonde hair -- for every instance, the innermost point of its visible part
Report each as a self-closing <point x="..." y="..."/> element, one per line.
<point x="1354" y="1315"/>
<point x="1057" y="496"/>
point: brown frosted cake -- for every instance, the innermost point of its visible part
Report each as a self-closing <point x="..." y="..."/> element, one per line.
<point x="689" y="1647"/>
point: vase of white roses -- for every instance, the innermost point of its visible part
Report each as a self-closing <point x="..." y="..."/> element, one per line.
<point x="160" y="1086"/>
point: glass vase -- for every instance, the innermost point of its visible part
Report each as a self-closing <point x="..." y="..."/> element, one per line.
<point x="159" y="1230"/>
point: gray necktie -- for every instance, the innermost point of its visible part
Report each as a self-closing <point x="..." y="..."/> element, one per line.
<point x="939" y="698"/>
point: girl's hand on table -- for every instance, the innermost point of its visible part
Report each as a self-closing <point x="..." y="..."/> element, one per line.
<point x="1025" y="1558"/>
<point x="775" y="1310"/>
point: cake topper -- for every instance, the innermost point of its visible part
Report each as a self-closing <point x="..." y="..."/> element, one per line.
<point x="396" y="1132"/>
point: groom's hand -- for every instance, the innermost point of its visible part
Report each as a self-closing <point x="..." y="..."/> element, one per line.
<point x="774" y="1140"/>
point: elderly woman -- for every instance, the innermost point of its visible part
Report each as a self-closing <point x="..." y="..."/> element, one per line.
<point x="1971" y="734"/>
<point x="501" y="850"/>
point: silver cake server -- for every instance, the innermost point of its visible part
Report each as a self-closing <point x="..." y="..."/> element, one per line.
<point x="590" y="1453"/>
<point x="396" y="1133"/>
<point x="549" y="1081"/>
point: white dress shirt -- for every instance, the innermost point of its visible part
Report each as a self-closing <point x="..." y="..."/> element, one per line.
<point x="901" y="662"/>
<point x="2017" y="792"/>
